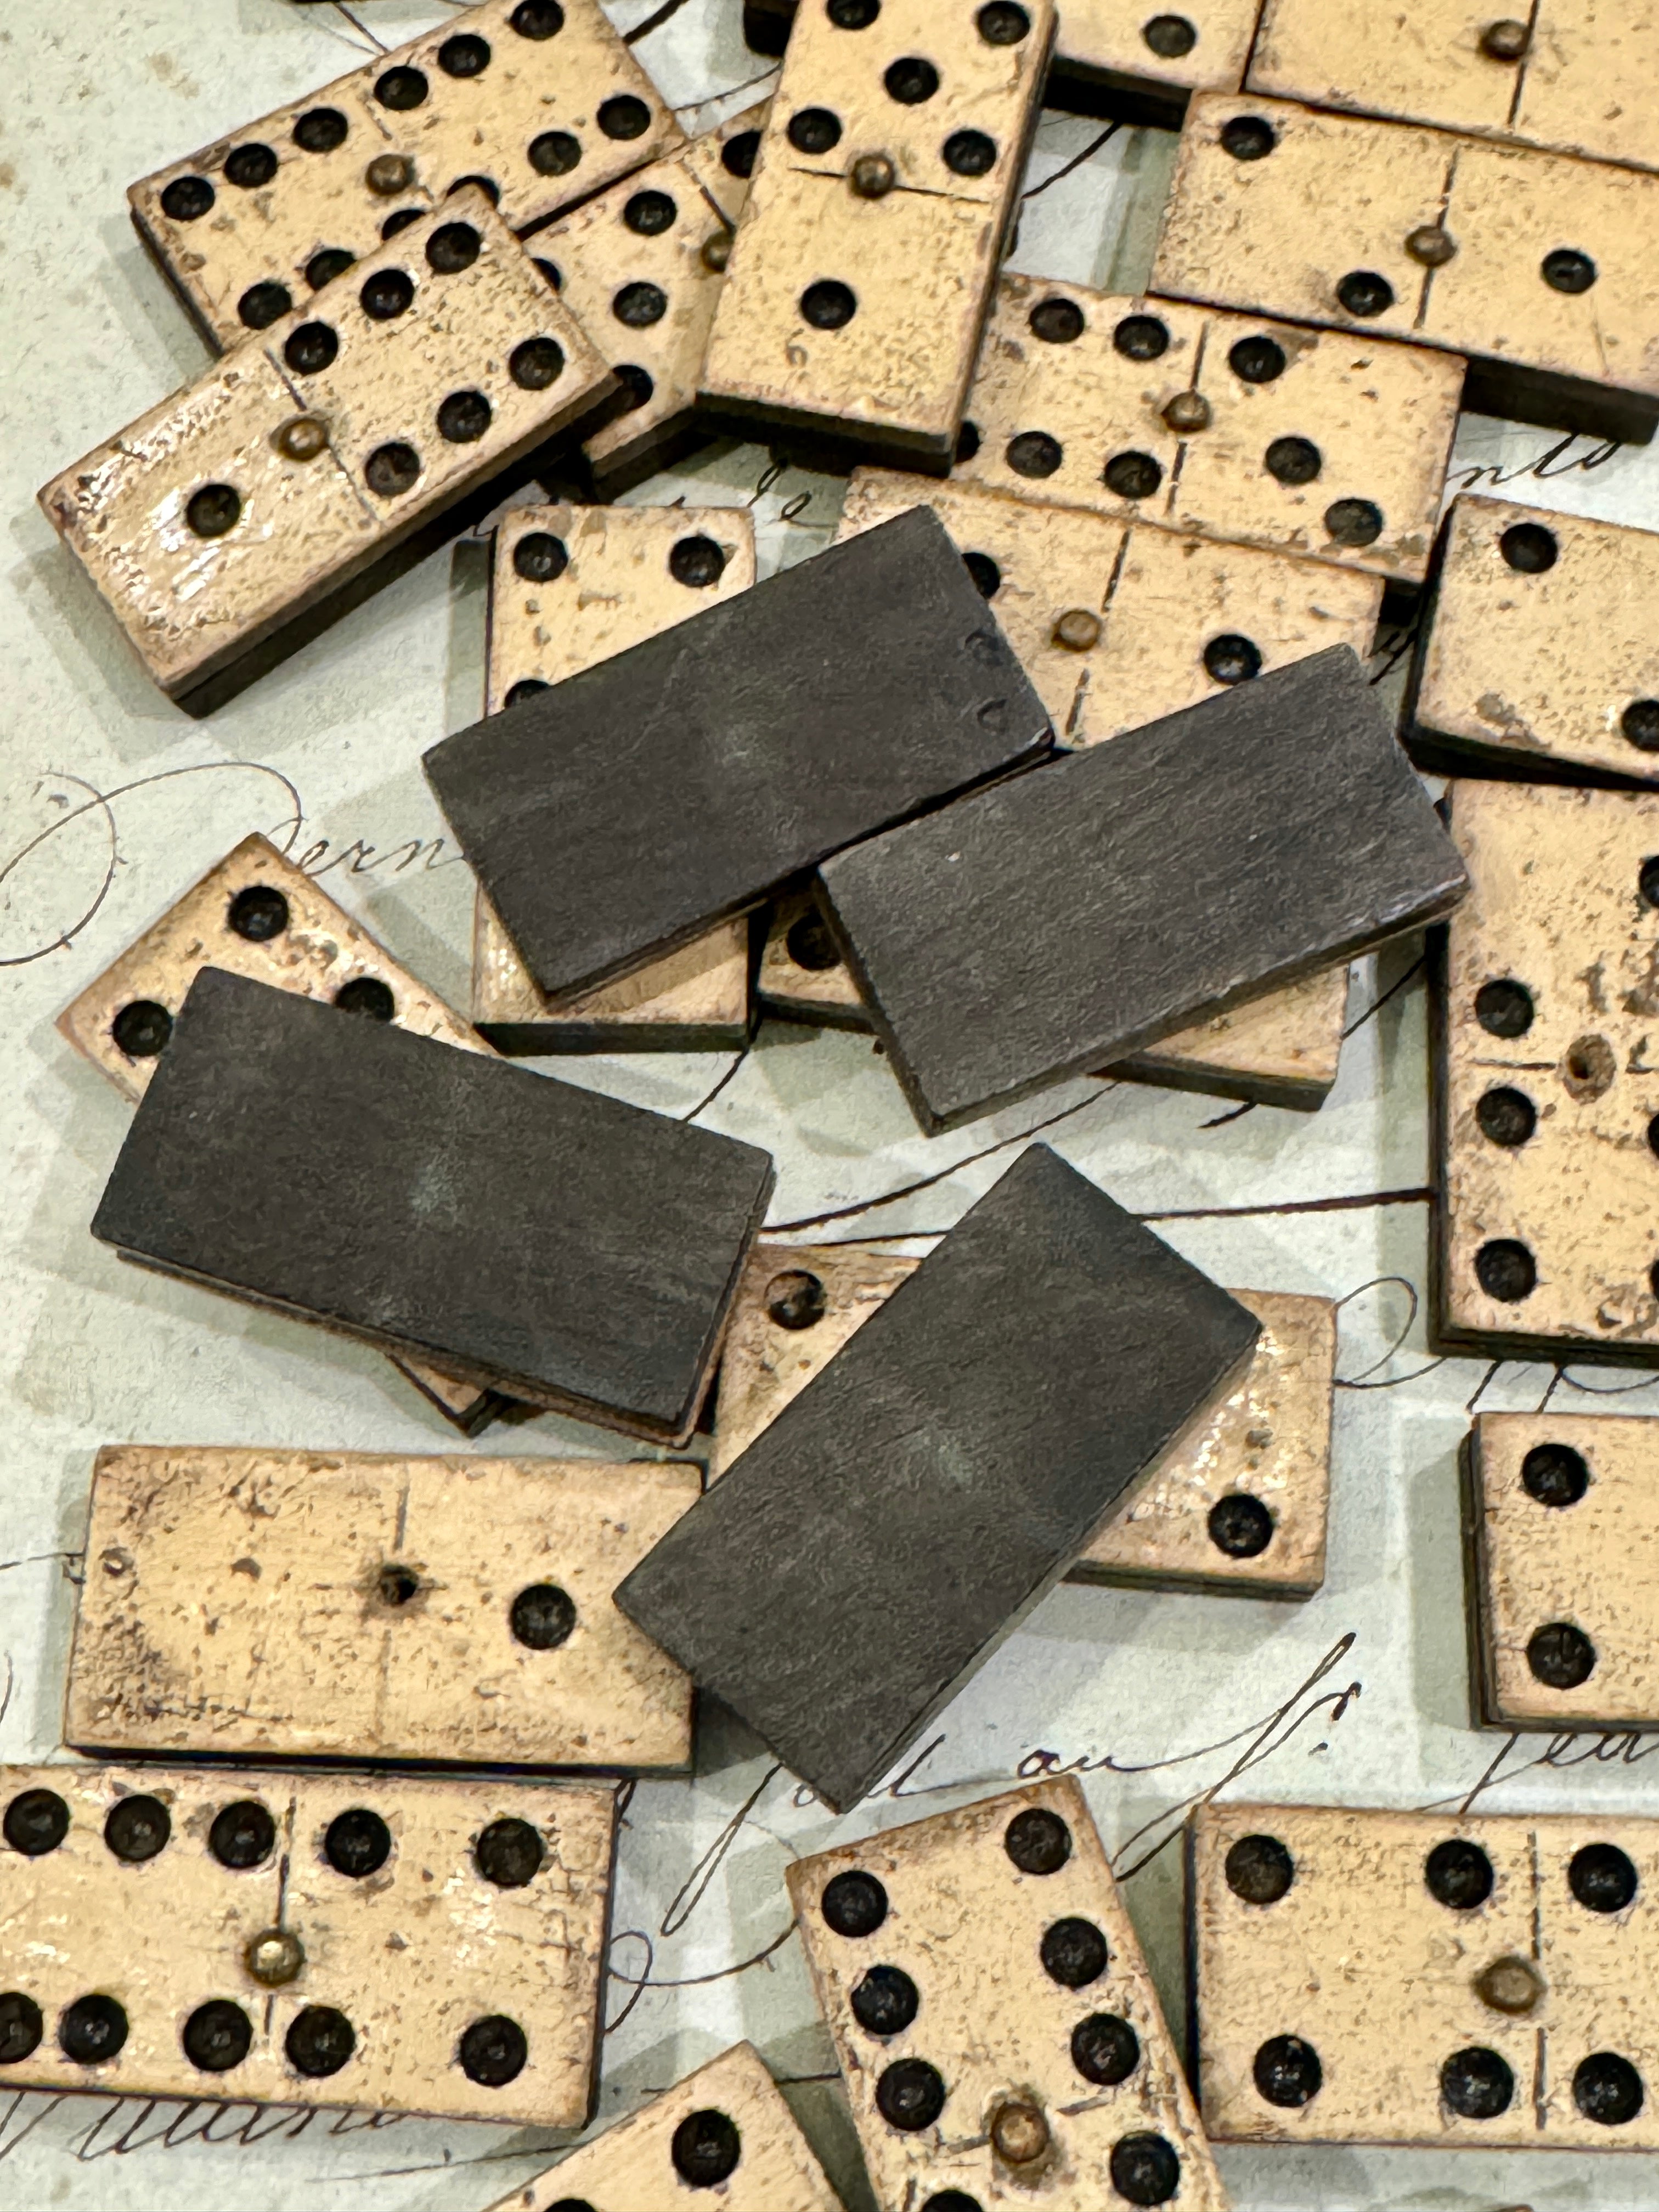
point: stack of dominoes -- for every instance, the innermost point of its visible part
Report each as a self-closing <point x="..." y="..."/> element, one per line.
<point x="1088" y="644"/>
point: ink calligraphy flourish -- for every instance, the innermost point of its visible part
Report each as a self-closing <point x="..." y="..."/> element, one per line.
<point x="1570" y="1748"/>
<point x="1261" y="1739"/>
<point x="1487" y="475"/>
<point x="359" y="857"/>
<point x="692" y="1891"/>
<point x="122" y="2125"/>
<point x="1368" y="1378"/>
<point x="1076" y="163"/>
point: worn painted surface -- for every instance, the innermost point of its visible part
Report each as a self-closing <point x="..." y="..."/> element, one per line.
<point x="412" y="1952"/>
<point x="317" y="952"/>
<point x="1556" y="907"/>
<point x="1526" y="667"/>
<point x="643" y="801"/>
<point x="1379" y="418"/>
<point x="462" y="127"/>
<point x="1281" y="1049"/>
<point x="359" y="1605"/>
<point x="527" y="1234"/>
<point x="967" y="1925"/>
<point x="1361" y="1960"/>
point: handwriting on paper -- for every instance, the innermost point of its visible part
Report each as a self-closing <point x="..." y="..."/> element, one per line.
<point x="81" y="799"/>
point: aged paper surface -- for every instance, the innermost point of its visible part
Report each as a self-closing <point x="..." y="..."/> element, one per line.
<point x="113" y="803"/>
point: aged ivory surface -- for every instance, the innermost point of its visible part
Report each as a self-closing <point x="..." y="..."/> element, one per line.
<point x="113" y="803"/>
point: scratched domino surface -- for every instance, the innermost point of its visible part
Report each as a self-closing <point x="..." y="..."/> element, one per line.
<point x="236" y="506"/>
<point x="422" y="1946"/>
<point x="254" y="1604"/>
<point x="1400" y="1977"/>
<point x="992" y="2015"/>
<point x="136" y="804"/>
<point x="537" y="99"/>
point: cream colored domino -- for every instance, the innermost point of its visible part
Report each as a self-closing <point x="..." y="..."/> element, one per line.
<point x="796" y="1305"/>
<point x="1565" y="1591"/>
<point x="570" y="585"/>
<point x="374" y="1941"/>
<point x="1109" y="55"/>
<point x="1569" y="74"/>
<point x="1415" y="1978"/>
<point x="1536" y="654"/>
<point x="1547" y="1129"/>
<point x="1235" y="427"/>
<point x="867" y="248"/>
<point x="1117" y="45"/>
<point x="1118" y="623"/>
<point x="1281" y="1049"/>
<point x="723" y="2137"/>
<point x="640" y="267"/>
<point x="1535" y="267"/>
<point x="250" y="509"/>
<point x="256" y="915"/>
<point x="540" y="102"/>
<point x="995" y="2022"/>
<point x="355" y="1605"/>
<point x="1240" y="1504"/>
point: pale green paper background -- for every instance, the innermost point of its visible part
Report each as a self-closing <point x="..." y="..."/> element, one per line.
<point x="1171" y="1691"/>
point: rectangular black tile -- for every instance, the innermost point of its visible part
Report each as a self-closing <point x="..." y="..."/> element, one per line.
<point x="1069" y="918"/>
<point x="873" y="1545"/>
<point x="627" y="810"/>
<point x="519" y="1231"/>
